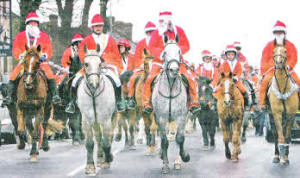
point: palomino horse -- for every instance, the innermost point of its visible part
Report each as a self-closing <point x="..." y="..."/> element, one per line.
<point x="32" y="100"/>
<point x="208" y="117"/>
<point x="230" y="111"/>
<point x="59" y="109"/>
<point x="96" y="101"/>
<point x="149" y="121"/>
<point x="169" y="99"/>
<point x="283" y="98"/>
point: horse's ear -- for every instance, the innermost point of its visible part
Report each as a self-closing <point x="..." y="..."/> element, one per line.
<point x="38" y="48"/>
<point x="230" y="74"/>
<point x="26" y="47"/>
<point x="85" y="49"/>
<point x="166" y="39"/>
<point x="222" y="74"/>
<point x="177" y="38"/>
<point x="98" y="48"/>
<point x="145" y="51"/>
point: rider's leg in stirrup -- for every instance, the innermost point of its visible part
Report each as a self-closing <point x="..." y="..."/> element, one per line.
<point x="70" y="108"/>
<point x="118" y="89"/>
<point x="194" y="103"/>
<point x="243" y="90"/>
<point x="263" y="90"/>
<point x="131" y="102"/>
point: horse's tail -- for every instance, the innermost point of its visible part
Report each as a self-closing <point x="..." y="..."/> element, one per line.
<point x="54" y="127"/>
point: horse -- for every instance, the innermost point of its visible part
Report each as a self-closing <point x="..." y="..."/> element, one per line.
<point x="283" y="99"/>
<point x="33" y="101"/>
<point x="230" y="112"/>
<point x="149" y="121"/>
<point x="208" y="116"/>
<point x="96" y="101"/>
<point x="59" y="109"/>
<point x="169" y="100"/>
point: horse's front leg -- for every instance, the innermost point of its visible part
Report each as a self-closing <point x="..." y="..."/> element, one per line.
<point x="132" y="117"/>
<point x="164" y="144"/>
<point x="89" y="145"/>
<point x="275" y="137"/>
<point x="203" y="123"/>
<point x="34" y="132"/>
<point x="226" y="137"/>
<point x="21" y="129"/>
<point x="236" y="140"/>
<point x="45" y="113"/>
<point x="281" y="139"/>
<point x="287" y="134"/>
<point x="106" y="142"/>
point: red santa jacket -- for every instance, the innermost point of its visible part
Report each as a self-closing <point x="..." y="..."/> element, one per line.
<point x="139" y="53"/>
<point x="156" y="44"/>
<point x="108" y="50"/>
<point x="65" y="59"/>
<point x="22" y="39"/>
<point x="128" y="62"/>
<point x="267" y="61"/>
<point x="207" y="71"/>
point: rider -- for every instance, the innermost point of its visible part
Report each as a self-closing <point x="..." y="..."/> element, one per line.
<point x="109" y="53"/>
<point x="71" y="51"/>
<point x="215" y="61"/>
<point x="241" y="58"/>
<point x="207" y="69"/>
<point x="127" y="58"/>
<point x="156" y="46"/>
<point x="32" y="36"/>
<point x="231" y="64"/>
<point x="138" y="58"/>
<point x="267" y="63"/>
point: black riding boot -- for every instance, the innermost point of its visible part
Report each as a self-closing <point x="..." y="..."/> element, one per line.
<point x="118" y="95"/>
<point x="131" y="103"/>
<point x="10" y="89"/>
<point x="70" y="108"/>
<point x="245" y="96"/>
<point x="53" y="90"/>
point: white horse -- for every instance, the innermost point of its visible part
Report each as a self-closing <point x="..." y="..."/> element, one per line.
<point x="169" y="101"/>
<point x="96" y="101"/>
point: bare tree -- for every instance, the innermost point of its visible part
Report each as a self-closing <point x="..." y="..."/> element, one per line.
<point x="27" y="6"/>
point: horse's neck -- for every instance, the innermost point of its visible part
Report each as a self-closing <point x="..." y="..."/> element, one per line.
<point x="282" y="78"/>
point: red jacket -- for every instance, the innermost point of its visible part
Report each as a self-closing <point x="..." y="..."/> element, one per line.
<point x="109" y="50"/>
<point x="156" y="44"/>
<point x="65" y="59"/>
<point x="267" y="60"/>
<point x="21" y="40"/>
<point x="129" y="63"/>
<point x="139" y="53"/>
<point x="205" y="72"/>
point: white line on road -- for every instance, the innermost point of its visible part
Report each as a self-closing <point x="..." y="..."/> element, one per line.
<point x="78" y="169"/>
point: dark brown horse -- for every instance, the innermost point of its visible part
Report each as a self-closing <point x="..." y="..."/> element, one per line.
<point x="32" y="99"/>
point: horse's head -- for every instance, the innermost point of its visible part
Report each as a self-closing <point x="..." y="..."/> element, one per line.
<point x="204" y="91"/>
<point x="171" y="57"/>
<point x="279" y="56"/>
<point x="227" y="87"/>
<point x="92" y="67"/>
<point x="31" y="64"/>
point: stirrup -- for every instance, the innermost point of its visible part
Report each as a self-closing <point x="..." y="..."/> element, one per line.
<point x="147" y="110"/>
<point x="131" y="104"/>
<point x="56" y="99"/>
<point x="70" y="108"/>
<point x="120" y="106"/>
<point x="194" y="110"/>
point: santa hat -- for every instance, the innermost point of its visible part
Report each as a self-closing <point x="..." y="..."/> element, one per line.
<point x="215" y="57"/>
<point x="77" y="37"/>
<point x="206" y="53"/>
<point x="150" y="26"/>
<point x="279" y="26"/>
<point x="237" y="44"/>
<point x="124" y="42"/>
<point x="32" y="16"/>
<point x="97" y="20"/>
<point x="230" y="48"/>
<point x="165" y="15"/>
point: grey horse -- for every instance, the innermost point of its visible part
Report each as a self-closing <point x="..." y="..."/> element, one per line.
<point x="169" y="99"/>
<point x="96" y="101"/>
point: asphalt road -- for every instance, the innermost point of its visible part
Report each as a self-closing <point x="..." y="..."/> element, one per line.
<point x="65" y="160"/>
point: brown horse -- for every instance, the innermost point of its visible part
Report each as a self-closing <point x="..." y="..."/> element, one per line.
<point x="230" y="111"/>
<point x="32" y="99"/>
<point x="149" y="121"/>
<point x="283" y="98"/>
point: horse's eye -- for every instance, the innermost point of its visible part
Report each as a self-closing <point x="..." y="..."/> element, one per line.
<point x="86" y="64"/>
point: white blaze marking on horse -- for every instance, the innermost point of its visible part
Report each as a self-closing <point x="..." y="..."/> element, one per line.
<point x="30" y="68"/>
<point x="278" y="55"/>
<point x="227" y="97"/>
<point x="203" y="88"/>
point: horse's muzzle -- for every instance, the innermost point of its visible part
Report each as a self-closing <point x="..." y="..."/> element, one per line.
<point x="227" y="103"/>
<point x="28" y="85"/>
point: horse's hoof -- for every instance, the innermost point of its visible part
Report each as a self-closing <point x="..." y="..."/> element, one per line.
<point x="21" y="146"/>
<point x="185" y="157"/>
<point x="235" y="160"/>
<point x="46" y="148"/>
<point x="152" y="149"/>
<point x="105" y="165"/>
<point x="286" y="163"/>
<point x="76" y="143"/>
<point x="205" y="148"/>
<point x="228" y="155"/>
<point x="239" y="151"/>
<point x="276" y="160"/>
<point x="118" y="137"/>
<point x="139" y="141"/>
<point x="165" y="169"/>
<point x="90" y="170"/>
<point x="212" y="147"/>
<point x="33" y="158"/>
<point x="243" y="139"/>
<point x="100" y="161"/>
<point x="177" y="166"/>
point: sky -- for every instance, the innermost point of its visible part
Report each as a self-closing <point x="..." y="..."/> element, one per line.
<point x="212" y="24"/>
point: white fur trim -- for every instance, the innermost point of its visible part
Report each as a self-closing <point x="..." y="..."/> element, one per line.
<point x="32" y="19"/>
<point x="91" y="25"/>
<point x="76" y="39"/>
<point x="230" y="49"/>
<point x="150" y="29"/>
<point x="279" y="28"/>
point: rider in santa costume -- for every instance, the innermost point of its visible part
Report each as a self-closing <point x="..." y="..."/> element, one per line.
<point x="32" y="36"/>
<point x="231" y="64"/>
<point x="139" y="64"/>
<point x="207" y="69"/>
<point x="267" y="61"/>
<point x="156" y="47"/>
<point x="109" y="53"/>
<point x="127" y="58"/>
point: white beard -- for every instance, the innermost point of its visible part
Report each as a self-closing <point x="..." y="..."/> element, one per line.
<point x="33" y="31"/>
<point x="162" y="28"/>
<point x="279" y="39"/>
